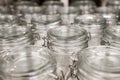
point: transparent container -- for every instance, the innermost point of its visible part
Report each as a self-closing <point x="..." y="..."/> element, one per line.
<point x="36" y="62"/>
<point x="86" y="6"/>
<point x="25" y="3"/>
<point x="94" y="24"/>
<point x="13" y="32"/>
<point x="50" y="14"/>
<point x="65" y="42"/>
<point x="110" y="14"/>
<point x="52" y="6"/>
<point x="111" y="36"/>
<point x="99" y="63"/>
<point x="115" y="4"/>
<point x="68" y="15"/>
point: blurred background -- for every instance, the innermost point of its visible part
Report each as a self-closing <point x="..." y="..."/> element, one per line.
<point x="98" y="2"/>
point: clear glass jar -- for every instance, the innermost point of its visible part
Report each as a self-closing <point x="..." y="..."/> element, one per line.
<point x="25" y="3"/>
<point x="115" y="4"/>
<point x="109" y="13"/>
<point x="13" y="32"/>
<point x="86" y="6"/>
<point x="94" y="24"/>
<point x="111" y="36"/>
<point x="68" y="15"/>
<point x="30" y="13"/>
<point x="36" y="62"/>
<point x="50" y="14"/>
<point x="64" y="42"/>
<point x="99" y="63"/>
<point x="52" y="6"/>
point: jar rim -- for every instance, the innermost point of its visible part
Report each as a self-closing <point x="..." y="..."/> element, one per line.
<point x="60" y="33"/>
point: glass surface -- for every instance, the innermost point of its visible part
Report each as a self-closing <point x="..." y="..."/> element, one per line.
<point x="100" y="63"/>
<point x="65" y="42"/>
<point x="68" y="14"/>
<point x="86" y="6"/>
<point x="31" y="63"/>
<point x="110" y="14"/>
<point x="94" y="24"/>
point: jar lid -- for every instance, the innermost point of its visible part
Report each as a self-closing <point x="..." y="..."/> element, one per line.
<point x="104" y="59"/>
<point x="34" y="61"/>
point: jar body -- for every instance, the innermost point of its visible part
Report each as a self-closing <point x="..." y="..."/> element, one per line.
<point x="111" y="36"/>
<point x="14" y="32"/>
<point x="102" y="67"/>
<point x="94" y="24"/>
<point x="86" y="6"/>
<point x="36" y="63"/>
<point x="68" y="15"/>
<point x="65" y="42"/>
<point x="110" y="14"/>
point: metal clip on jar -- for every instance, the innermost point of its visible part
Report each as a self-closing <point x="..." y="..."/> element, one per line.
<point x="32" y="63"/>
<point x="99" y="63"/>
<point x="94" y="24"/>
<point x="64" y="42"/>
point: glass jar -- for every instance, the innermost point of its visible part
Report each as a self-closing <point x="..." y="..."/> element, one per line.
<point x="52" y="6"/>
<point x="50" y="14"/>
<point x="13" y="32"/>
<point x="94" y="24"/>
<point x="68" y="15"/>
<point x="64" y="42"/>
<point x="115" y="4"/>
<point x="109" y="13"/>
<point x="99" y="63"/>
<point x="111" y="36"/>
<point x="36" y="62"/>
<point x="86" y="6"/>
<point x="25" y="3"/>
<point x="30" y="13"/>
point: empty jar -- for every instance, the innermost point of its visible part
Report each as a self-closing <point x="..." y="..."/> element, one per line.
<point x="65" y="42"/>
<point x="115" y="4"/>
<point x="94" y="24"/>
<point x="99" y="63"/>
<point x="86" y="6"/>
<point x="32" y="63"/>
<point x="109" y="13"/>
<point x="68" y="15"/>
<point x="13" y="32"/>
<point x="111" y="36"/>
